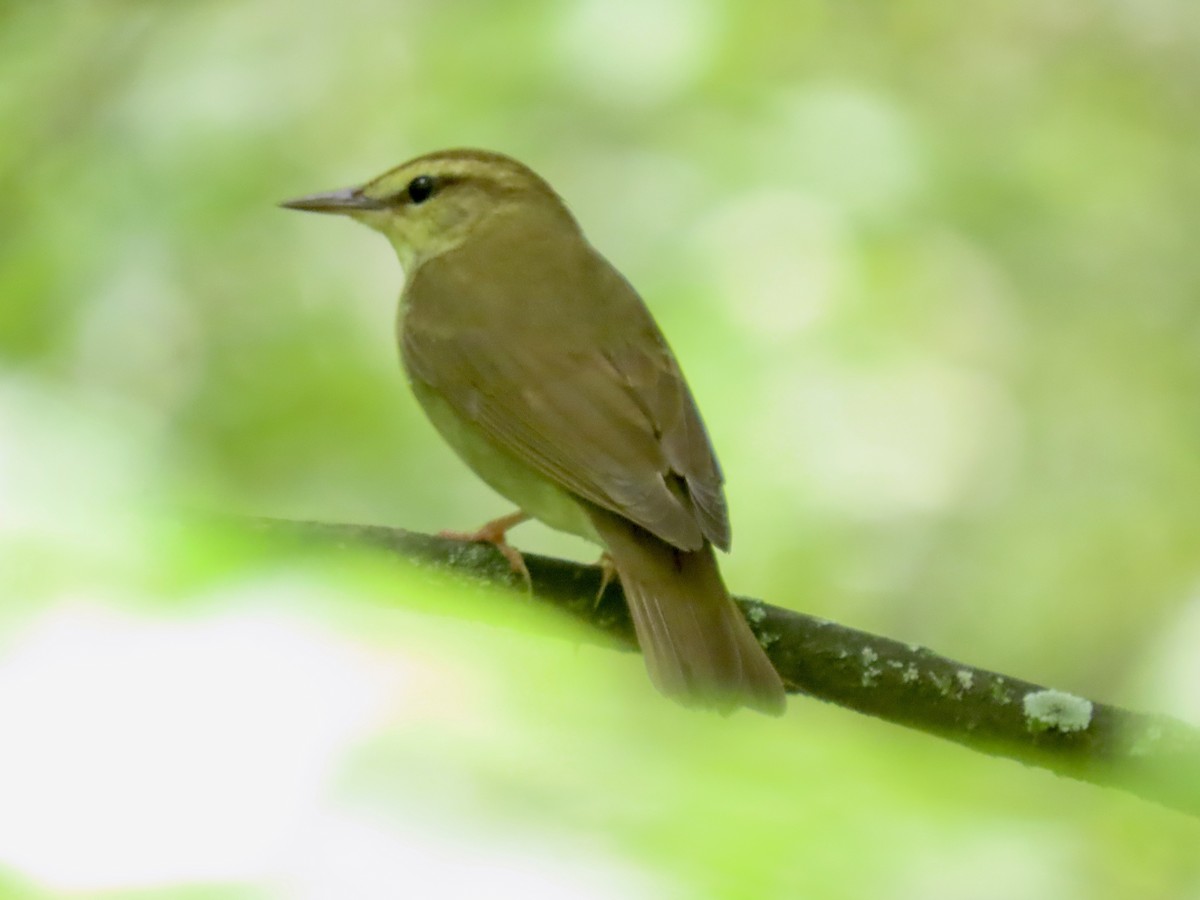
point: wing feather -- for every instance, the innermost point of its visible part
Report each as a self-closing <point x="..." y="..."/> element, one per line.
<point x="578" y="383"/>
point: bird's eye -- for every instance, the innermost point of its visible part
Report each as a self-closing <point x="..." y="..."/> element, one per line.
<point x="420" y="189"/>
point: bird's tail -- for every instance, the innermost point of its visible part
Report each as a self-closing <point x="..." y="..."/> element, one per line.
<point x="697" y="645"/>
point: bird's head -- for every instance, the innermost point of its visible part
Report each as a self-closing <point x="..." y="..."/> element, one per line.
<point x="435" y="202"/>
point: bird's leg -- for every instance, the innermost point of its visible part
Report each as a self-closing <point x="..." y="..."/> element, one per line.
<point x="608" y="569"/>
<point x="494" y="533"/>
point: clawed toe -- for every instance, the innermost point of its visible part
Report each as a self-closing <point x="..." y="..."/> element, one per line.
<point x="495" y="533"/>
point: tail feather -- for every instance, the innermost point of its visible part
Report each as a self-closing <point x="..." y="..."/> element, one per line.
<point x="697" y="645"/>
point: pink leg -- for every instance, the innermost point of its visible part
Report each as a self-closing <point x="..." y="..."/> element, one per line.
<point x="608" y="571"/>
<point x="494" y="533"/>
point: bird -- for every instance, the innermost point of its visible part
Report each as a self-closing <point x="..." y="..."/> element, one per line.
<point x="543" y="369"/>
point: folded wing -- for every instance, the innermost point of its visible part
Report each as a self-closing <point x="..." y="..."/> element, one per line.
<point x="580" y="385"/>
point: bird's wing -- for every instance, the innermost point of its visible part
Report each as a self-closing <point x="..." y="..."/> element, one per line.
<point x="595" y="403"/>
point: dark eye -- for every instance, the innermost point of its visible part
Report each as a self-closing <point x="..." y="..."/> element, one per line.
<point x="420" y="189"/>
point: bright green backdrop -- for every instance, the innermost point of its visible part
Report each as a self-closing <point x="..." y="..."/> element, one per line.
<point x="931" y="269"/>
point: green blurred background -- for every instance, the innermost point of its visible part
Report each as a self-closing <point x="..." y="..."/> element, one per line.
<point x="931" y="269"/>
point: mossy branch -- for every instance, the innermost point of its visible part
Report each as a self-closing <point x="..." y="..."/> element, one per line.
<point x="1154" y="757"/>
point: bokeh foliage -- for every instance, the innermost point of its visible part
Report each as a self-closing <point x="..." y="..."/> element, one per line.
<point x="931" y="270"/>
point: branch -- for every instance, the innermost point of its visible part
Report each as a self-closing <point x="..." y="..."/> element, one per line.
<point x="1154" y="757"/>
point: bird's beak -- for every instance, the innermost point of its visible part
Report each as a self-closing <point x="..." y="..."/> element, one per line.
<point x="346" y="201"/>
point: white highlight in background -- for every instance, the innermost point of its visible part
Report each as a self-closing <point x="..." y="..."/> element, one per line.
<point x="139" y="753"/>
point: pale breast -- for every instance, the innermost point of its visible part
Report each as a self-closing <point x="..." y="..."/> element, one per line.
<point x="502" y="471"/>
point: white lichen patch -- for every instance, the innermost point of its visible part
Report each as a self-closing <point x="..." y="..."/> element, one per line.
<point x="911" y="674"/>
<point x="755" y="613"/>
<point x="1056" y="710"/>
<point x="767" y="638"/>
<point x="1146" y="741"/>
<point x="870" y="670"/>
<point x="1001" y="695"/>
<point x="941" y="683"/>
<point x="966" y="678"/>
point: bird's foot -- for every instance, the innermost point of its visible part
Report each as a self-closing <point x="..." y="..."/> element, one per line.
<point x="494" y="533"/>
<point x="608" y="571"/>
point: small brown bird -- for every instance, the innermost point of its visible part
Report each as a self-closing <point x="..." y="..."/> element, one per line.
<point x="543" y="369"/>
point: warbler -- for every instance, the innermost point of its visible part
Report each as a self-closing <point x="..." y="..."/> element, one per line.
<point x="543" y="369"/>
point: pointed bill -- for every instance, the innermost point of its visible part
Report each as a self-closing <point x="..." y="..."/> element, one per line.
<point x="344" y="201"/>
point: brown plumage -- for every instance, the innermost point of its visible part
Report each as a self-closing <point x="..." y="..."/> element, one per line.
<point x="543" y="368"/>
